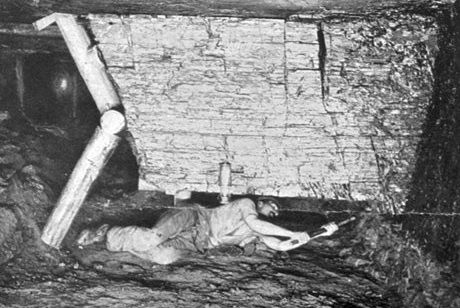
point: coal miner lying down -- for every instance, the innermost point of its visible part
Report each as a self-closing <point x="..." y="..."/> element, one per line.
<point x="196" y="228"/>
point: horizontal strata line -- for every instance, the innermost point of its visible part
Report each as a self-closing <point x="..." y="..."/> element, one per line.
<point x="389" y="214"/>
<point x="217" y="134"/>
<point x="338" y="212"/>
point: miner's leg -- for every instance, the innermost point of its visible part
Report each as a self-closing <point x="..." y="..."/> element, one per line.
<point x="145" y="242"/>
<point x="174" y="222"/>
<point x="132" y="238"/>
<point x="141" y="242"/>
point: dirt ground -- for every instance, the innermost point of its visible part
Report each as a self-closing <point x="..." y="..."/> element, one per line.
<point x="315" y="275"/>
<point x="304" y="279"/>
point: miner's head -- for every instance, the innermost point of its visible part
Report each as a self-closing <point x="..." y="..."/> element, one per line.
<point x="268" y="206"/>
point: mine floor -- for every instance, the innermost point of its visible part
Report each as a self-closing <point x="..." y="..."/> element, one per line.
<point x="309" y="277"/>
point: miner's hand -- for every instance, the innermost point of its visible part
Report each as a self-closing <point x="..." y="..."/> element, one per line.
<point x="329" y="228"/>
<point x="300" y="238"/>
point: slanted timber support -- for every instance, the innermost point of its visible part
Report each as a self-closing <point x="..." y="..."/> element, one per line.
<point x="94" y="158"/>
<point x="105" y="138"/>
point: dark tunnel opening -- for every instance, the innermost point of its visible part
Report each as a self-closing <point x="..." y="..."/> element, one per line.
<point x="55" y="94"/>
<point x="45" y="98"/>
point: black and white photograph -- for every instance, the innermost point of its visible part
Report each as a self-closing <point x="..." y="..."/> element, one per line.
<point x="230" y="153"/>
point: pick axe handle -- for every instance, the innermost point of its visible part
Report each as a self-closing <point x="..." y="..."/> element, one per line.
<point x="320" y="231"/>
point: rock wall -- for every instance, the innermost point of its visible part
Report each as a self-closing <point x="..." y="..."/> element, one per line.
<point x="312" y="109"/>
<point x="435" y="189"/>
<point x="380" y="84"/>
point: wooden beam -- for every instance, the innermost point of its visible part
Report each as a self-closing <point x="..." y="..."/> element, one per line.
<point x="20" y="87"/>
<point x="87" y="169"/>
<point x="30" y="10"/>
<point x="104" y="140"/>
<point x="24" y="38"/>
<point x="86" y="58"/>
<point x="20" y="29"/>
<point x="24" y="44"/>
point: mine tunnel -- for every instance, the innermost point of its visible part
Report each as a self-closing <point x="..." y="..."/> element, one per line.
<point x="189" y="155"/>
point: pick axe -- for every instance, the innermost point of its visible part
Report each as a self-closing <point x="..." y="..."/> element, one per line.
<point x="320" y="231"/>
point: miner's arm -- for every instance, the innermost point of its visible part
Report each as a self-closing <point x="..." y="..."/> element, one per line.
<point x="284" y="245"/>
<point x="266" y="228"/>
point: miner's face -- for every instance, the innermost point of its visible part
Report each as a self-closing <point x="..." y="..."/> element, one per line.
<point x="267" y="208"/>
